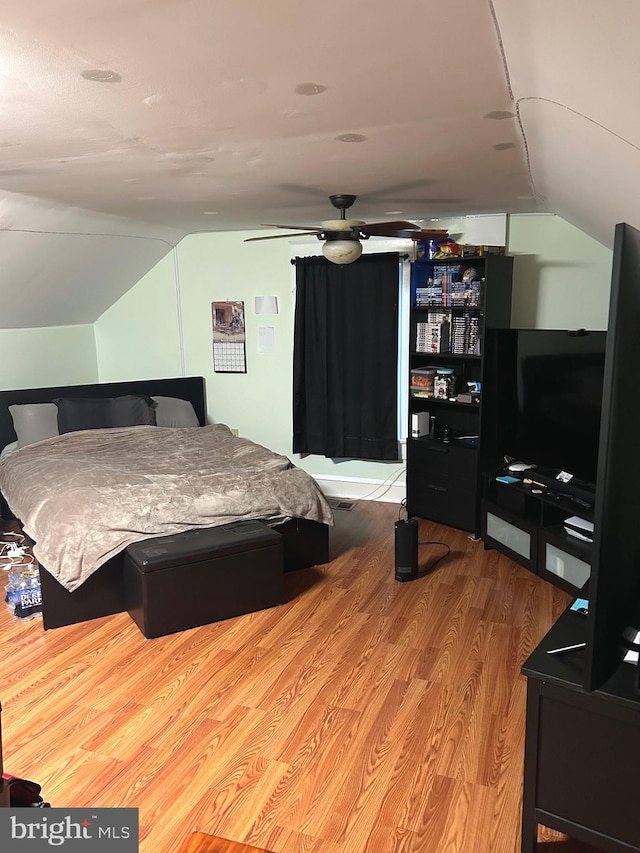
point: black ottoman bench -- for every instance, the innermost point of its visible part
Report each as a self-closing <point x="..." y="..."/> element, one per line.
<point x="188" y="579"/>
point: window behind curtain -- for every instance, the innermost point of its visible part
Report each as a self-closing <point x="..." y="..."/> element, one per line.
<point x="345" y="358"/>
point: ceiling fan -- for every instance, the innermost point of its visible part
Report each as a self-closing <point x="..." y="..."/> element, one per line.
<point x="342" y="236"/>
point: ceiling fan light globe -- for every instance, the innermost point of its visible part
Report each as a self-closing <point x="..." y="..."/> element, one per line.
<point x="342" y="251"/>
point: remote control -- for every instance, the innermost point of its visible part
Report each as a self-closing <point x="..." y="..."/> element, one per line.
<point x="580" y="502"/>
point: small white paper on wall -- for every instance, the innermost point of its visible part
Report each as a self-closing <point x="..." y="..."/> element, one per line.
<point x="266" y="338"/>
<point x="266" y="305"/>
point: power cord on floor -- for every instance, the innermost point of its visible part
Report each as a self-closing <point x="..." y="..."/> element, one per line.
<point x="419" y="574"/>
<point x="18" y="538"/>
<point x="13" y="553"/>
<point x="387" y="484"/>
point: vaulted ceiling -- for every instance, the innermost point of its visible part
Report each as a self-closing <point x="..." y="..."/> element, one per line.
<point x="132" y="124"/>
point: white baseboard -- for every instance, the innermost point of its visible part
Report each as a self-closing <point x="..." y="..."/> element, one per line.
<point x="360" y="488"/>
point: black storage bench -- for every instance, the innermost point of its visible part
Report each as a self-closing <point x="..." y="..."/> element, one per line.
<point x="181" y="581"/>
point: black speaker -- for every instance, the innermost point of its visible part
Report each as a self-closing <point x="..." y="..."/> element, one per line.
<point x="407" y="550"/>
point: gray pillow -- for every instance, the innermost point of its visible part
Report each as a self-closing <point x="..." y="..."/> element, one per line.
<point x="95" y="413"/>
<point x="173" y="412"/>
<point x="8" y="450"/>
<point x="34" y="422"/>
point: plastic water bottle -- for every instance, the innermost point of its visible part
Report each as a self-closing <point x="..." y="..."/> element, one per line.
<point x="23" y="593"/>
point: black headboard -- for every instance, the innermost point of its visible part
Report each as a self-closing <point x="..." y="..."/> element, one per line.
<point x="189" y="388"/>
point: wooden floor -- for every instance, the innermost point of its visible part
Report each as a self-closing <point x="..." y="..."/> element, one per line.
<point x="362" y="715"/>
<point x="199" y="842"/>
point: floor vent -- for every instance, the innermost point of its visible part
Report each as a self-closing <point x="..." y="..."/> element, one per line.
<point x="336" y="503"/>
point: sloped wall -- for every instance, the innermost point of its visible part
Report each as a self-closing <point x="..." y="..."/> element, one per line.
<point x="140" y="337"/>
<point x="37" y="358"/>
<point x="62" y="266"/>
<point x="61" y="269"/>
<point x="573" y="71"/>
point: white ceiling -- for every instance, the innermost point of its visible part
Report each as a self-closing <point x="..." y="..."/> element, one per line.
<point x="467" y="107"/>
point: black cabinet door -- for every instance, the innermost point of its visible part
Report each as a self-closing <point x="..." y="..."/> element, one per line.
<point x="581" y="762"/>
<point x="512" y="535"/>
<point x="442" y="485"/>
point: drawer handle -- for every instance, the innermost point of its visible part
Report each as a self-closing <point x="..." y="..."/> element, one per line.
<point x="436" y="488"/>
<point x="437" y="448"/>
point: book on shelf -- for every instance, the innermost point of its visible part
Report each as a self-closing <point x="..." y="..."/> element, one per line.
<point x="432" y="337"/>
<point x="438" y="316"/>
<point x="445" y="278"/>
<point x="431" y="294"/>
<point x="465" y="338"/>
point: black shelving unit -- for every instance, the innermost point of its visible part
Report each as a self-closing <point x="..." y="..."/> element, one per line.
<point x="443" y="481"/>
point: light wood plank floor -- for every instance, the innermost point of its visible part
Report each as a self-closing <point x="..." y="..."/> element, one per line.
<point x="199" y="842"/>
<point x="362" y="715"/>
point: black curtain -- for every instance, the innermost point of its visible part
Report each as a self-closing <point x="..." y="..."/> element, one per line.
<point x="345" y="357"/>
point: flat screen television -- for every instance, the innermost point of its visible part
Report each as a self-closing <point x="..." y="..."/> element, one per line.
<point x="550" y="398"/>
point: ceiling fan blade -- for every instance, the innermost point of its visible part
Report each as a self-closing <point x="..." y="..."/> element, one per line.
<point x="292" y="227"/>
<point x="402" y="229"/>
<point x="427" y="234"/>
<point x="282" y="236"/>
<point x="387" y="229"/>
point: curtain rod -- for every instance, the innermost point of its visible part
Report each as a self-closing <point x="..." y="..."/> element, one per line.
<point x="404" y="256"/>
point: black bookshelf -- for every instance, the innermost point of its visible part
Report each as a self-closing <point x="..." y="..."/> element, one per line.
<point x="443" y="481"/>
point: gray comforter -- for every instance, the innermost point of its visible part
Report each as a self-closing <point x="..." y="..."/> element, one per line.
<point x="84" y="496"/>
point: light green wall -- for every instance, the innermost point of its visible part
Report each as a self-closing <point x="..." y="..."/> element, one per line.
<point x="139" y="336"/>
<point x="38" y="358"/>
<point x="259" y="403"/>
<point x="162" y="327"/>
<point x="220" y="267"/>
<point x="562" y="277"/>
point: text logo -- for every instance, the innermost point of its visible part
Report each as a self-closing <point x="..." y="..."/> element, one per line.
<point x="30" y="830"/>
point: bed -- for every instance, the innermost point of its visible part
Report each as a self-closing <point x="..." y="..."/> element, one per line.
<point x="202" y="470"/>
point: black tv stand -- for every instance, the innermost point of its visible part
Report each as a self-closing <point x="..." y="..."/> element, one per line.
<point x="581" y="749"/>
<point x="524" y="520"/>
<point x="574" y="487"/>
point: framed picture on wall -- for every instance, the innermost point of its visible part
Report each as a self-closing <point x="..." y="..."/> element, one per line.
<point x="229" y="337"/>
